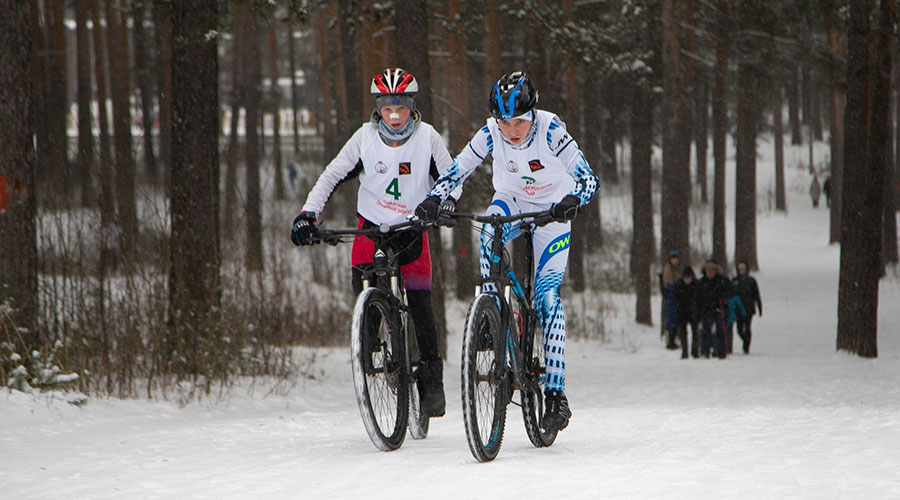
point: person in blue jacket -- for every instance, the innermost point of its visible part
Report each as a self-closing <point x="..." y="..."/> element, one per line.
<point x="746" y="288"/>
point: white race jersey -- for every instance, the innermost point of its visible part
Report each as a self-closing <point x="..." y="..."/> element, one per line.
<point x="392" y="180"/>
<point x="544" y="171"/>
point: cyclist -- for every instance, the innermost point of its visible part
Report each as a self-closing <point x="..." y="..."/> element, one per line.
<point x="536" y="166"/>
<point x="396" y="156"/>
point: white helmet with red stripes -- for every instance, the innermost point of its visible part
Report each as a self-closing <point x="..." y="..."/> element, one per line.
<point x="393" y="81"/>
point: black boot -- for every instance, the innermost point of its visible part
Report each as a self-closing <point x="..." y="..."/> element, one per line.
<point x="556" y="412"/>
<point x="431" y="388"/>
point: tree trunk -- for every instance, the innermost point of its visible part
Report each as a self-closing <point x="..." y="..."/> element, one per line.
<point x="18" y="208"/>
<point x="861" y="227"/>
<point x="778" y="131"/>
<point x="252" y="207"/>
<point x="105" y="172"/>
<point x="745" y="171"/>
<point x="238" y="95"/>
<point x="163" y="21"/>
<point x="674" y="210"/>
<point x="815" y="103"/>
<point x="606" y="161"/>
<point x="85" y="91"/>
<point x="642" y="244"/>
<point x="275" y="101"/>
<point x="295" y="98"/>
<point x="687" y="75"/>
<point x="194" y="248"/>
<point x="459" y="135"/>
<point x="120" y="86"/>
<point x="326" y="84"/>
<point x="144" y="66"/>
<point x="836" y="39"/>
<point x="57" y="98"/>
<point x="889" y="251"/>
<point x="347" y="13"/>
<point x="793" y="93"/>
<point x="720" y="129"/>
<point x="701" y="133"/>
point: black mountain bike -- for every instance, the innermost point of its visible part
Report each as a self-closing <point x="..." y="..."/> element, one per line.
<point x="503" y="348"/>
<point x="385" y="357"/>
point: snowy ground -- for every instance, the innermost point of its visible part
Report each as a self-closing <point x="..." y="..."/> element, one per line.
<point x="794" y="419"/>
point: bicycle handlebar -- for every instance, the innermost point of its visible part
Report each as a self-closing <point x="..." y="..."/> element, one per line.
<point x="335" y="236"/>
<point x="538" y="218"/>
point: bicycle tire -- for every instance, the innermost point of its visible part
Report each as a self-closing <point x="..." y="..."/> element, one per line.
<point x="532" y="395"/>
<point x="418" y="421"/>
<point x="380" y="369"/>
<point x="484" y="385"/>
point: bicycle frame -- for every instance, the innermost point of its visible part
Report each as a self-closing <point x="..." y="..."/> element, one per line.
<point x="383" y="291"/>
<point x="504" y="278"/>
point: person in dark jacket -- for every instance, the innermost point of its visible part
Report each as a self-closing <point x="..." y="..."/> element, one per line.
<point x="685" y="293"/>
<point x="746" y="288"/>
<point x="713" y="293"/>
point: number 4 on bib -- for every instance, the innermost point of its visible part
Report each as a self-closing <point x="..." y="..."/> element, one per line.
<point x="393" y="189"/>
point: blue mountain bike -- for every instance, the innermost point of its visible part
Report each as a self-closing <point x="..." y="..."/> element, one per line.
<point x="503" y="348"/>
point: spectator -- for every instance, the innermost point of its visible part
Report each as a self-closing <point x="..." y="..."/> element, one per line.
<point x="826" y="188"/>
<point x="671" y="275"/>
<point x="746" y="288"/>
<point x="735" y="310"/>
<point x="815" y="190"/>
<point x="713" y="293"/>
<point x="685" y="292"/>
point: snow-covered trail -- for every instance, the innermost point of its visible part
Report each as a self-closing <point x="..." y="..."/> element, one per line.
<point x="794" y="419"/>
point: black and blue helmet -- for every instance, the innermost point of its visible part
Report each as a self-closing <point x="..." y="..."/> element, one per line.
<point x="513" y="95"/>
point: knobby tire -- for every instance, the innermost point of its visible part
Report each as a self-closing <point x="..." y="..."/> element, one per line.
<point x="532" y="396"/>
<point x="485" y="392"/>
<point x="380" y="369"/>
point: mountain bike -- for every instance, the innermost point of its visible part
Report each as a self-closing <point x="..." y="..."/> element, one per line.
<point x="503" y="348"/>
<point x="385" y="357"/>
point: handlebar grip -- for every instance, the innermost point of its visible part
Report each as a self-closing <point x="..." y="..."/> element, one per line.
<point x="544" y="219"/>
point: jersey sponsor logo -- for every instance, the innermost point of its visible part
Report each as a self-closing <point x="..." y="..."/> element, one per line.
<point x="534" y="190"/>
<point x="512" y="167"/>
<point x="528" y="180"/>
<point x="562" y="140"/>
<point x="405" y="168"/>
<point x="380" y="167"/>
<point x="559" y="244"/>
<point x="535" y="165"/>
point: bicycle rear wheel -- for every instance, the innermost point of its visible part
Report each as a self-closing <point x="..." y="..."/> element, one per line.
<point x="380" y="369"/>
<point x="532" y="395"/>
<point x="484" y="386"/>
<point x="418" y="421"/>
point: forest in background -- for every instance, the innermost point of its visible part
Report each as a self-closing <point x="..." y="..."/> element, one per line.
<point x="143" y="242"/>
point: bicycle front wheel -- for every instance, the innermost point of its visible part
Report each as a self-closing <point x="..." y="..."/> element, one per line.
<point x="484" y="387"/>
<point x="380" y="369"/>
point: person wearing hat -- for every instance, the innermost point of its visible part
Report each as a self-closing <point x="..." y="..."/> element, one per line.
<point x="396" y="156"/>
<point x="671" y="275"/>
<point x="537" y="166"/>
<point x="685" y="293"/>
<point x="713" y="293"/>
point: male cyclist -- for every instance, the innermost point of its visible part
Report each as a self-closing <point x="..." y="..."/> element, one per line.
<point x="536" y="166"/>
<point x="396" y="156"/>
